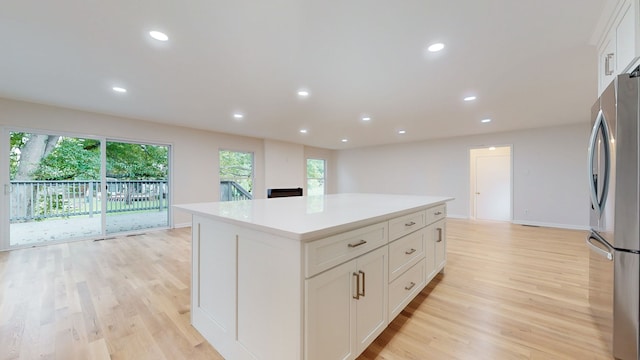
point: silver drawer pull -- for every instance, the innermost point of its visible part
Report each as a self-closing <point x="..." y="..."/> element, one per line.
<point x="361" y="242"/>
<point x="410" y="286"/>
<point x="437" y="213"/>
<point x="409" y="252"/>
<point x="410" y="224"/>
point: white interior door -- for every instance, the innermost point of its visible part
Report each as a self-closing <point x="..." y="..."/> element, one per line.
<point x="493" y="187"/>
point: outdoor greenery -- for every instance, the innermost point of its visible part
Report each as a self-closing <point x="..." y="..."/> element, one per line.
<point x="237" y="166"/>
<point x="315" y="176"/>
<point x="79" y="159"/>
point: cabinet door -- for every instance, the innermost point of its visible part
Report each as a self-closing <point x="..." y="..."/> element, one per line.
<point x="441" y="244"/>
<point x="371" y="305"/>
<point x="430" y="252"/>
<point x="330" y="314"/>
<point x="606" y="62"/>
<point x="625" y="30"/>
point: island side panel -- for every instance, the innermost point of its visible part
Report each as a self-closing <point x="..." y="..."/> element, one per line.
<point x="270" y="295"/>
<point x="213" y="288"/>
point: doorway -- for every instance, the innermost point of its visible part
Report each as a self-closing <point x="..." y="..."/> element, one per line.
<point x="491" y="183"/>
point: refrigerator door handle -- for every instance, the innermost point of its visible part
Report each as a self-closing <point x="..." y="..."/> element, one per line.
<point x="597" y="249"/>
<point x="598" y="202"/>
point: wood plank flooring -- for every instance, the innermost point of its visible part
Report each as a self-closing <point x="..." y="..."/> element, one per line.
<point x="508" y="292"/>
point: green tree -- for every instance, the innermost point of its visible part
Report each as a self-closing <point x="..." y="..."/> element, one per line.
<point x="137" y="161"/>
<point x="71" y="159"/>
<point x="237" y="166"/>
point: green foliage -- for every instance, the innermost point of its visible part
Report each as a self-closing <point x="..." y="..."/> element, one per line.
<point x="315" y="169"/>
<point x="315" y="176"/>
<point x="17" y="141"/>
<point x="137" y="161"/>
<point x="79" y="159"/>
<point x="237" y="166"/>
<point x="50" y="205"/>
<point x="70" y="160"/>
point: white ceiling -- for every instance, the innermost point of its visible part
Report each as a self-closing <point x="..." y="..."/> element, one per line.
<point x="529" y="63"/>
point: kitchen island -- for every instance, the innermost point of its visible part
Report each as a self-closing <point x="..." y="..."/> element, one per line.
<point x="317" y="277"/>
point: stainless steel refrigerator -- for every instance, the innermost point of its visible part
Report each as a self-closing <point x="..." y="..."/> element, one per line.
<point x="614" y="239"/>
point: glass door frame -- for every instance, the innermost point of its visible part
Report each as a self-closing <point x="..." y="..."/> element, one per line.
<point x="103" y="188"/>
<point x="5" y="181"/>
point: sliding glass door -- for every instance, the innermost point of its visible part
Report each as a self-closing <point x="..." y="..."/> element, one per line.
<point x="54" y="187"/>
<point x="137" y="191"/>
<point x="61" y="188"/>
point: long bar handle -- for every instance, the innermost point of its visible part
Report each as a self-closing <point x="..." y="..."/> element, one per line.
<point x="357" y="295"/>
<point x="361" y="242"/>
<point x="410" y="224"/>
<point x="364" y="281"/>
<point x="439" y="230"/>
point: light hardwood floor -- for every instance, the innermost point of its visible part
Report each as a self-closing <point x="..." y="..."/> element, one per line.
<point x="508" y="292"/>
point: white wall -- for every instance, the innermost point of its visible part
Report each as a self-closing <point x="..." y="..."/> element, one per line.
<point x="284" y="165"/>
<point x="549" y="172"/>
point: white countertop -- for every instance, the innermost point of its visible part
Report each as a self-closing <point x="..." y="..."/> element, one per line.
<point x="310" y="217"/>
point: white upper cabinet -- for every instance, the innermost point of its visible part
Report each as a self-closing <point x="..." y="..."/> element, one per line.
<point x="618" y="42"/>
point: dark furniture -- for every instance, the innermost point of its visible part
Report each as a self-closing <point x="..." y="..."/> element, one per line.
<point x="275" y="193"/>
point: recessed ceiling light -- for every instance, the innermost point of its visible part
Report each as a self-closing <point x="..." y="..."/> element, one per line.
<point x="436" y="47"/>
<point x="238" y="116"/>
<point x="303" y="131"/>
<point x="160" y="36"/>
<point x="402" y="132"/>
<point x="492" y="148"/>
<point x="485" y="120"/>
<point x="119" y="89"/>
<point x="303" y="93"/>
<point x="366" y="118"/>
<point x="344" y="140"/>
<point x="469" y="98"/>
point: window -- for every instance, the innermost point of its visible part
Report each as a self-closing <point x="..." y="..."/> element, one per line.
<point x="315" y="176"/>
<point x="236" y="175"/>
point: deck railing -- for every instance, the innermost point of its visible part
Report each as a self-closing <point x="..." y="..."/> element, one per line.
<point x="38" y="200"/>
<point x="233" y="191"/>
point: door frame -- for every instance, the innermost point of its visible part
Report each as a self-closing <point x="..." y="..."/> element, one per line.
<point x="472" y="179"/>
<point x="5" y="131"/>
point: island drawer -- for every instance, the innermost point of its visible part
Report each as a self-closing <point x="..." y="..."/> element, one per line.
<point x="406" y="224"/>
<point x="436" y="213"/>
<point x="326" y="253"/>
<point x="405" y="252"/>
<point x="403" y="289"/>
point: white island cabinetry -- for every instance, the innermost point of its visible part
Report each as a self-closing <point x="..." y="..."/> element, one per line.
<point x="309" y="277"/>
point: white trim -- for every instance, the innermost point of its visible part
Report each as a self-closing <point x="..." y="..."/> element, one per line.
<point x="4" y="181"/>
<point x="552" y="225"/>
<point x="182" y="225"/>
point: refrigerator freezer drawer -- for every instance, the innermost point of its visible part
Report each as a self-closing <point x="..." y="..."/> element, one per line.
<point x="601" y="257"/>
<point x="626" y="304"/>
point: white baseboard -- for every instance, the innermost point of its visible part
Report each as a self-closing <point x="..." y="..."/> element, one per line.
<point x="182" y="225"/>
<point x="553" y="225"/>
<point x="532" y="223"/>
